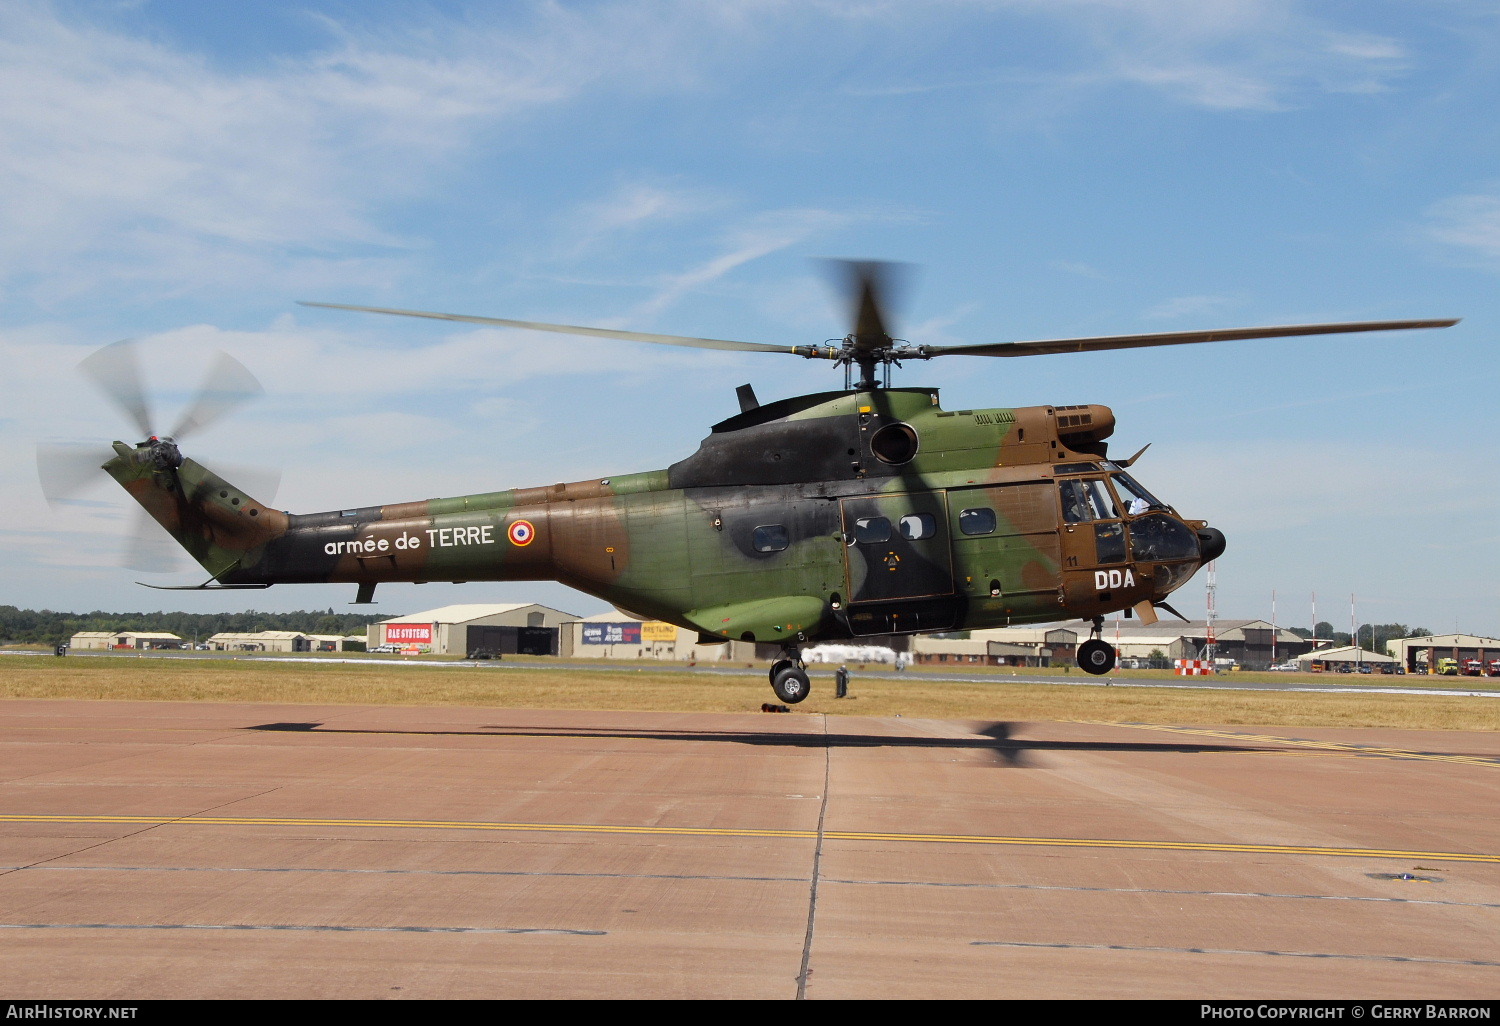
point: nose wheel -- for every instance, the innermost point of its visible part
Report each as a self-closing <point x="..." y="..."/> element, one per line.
<point x="1095" y="655"/>
<point x="789" y="679"/>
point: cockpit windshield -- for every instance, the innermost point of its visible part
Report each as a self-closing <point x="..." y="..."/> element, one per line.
<point x="1135" y="498"/>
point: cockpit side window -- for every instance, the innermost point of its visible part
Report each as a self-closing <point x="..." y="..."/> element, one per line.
<point x="1100" y="500"/>
<point x="1087" y="499"/>
<point x="1074" y="505"/>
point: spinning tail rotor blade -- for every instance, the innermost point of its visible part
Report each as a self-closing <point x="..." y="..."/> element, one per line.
<point x="226" y="387"/>
<point x="115" y="371"/>
<point x="68" y="472"/>
<point x="149" y="549"/>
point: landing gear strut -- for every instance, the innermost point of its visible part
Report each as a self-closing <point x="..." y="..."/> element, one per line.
<point x="1094" y="655"/>
<point x="789" y="677"/>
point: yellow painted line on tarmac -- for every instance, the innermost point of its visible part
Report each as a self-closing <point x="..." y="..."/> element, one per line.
<point x="1492" y="762"/>
<point x="828" y="835"/>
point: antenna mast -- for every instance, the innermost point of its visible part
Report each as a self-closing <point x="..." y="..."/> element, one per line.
<point x="1275" y="630"/>
<point x="1210" y="643"/>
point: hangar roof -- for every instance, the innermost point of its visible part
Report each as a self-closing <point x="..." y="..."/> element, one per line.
<point x="1346" y="654"/>
<point x="1164" y="631"/>
<point x="466" y="611"/>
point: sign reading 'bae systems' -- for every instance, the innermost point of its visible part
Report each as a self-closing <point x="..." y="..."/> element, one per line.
<point x="408" y="633"/>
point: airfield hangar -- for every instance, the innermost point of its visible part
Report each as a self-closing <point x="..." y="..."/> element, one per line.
<point x="1421" y="655"/>
<point x="114" y="640"/>
<point x="1253" y="644"/>
<point x="474" y="629"/>
<point x="617" y="635"/>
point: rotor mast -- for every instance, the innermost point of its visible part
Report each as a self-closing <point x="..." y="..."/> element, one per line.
<point x="870" y="344"/>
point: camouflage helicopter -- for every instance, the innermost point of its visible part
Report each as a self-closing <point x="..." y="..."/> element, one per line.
<point x="831" y="516"/>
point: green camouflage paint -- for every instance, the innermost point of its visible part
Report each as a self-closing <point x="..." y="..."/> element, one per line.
<point x="772" y="531"/>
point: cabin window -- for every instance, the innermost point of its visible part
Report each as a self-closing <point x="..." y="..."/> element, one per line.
<point x="872" y="530"/>
<point x="977" y="521"/>
<point x="771" y="538"/>
<point x="916" y="526"/>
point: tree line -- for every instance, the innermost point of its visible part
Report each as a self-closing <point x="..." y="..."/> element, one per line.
<point x="1371" y="636"/>
<point x="48" y="627"/>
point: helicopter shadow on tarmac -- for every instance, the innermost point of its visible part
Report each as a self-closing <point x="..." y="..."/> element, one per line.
<point x="995" y="738"/>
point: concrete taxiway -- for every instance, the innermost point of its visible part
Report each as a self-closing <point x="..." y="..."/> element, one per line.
<point x="164" y="850"/>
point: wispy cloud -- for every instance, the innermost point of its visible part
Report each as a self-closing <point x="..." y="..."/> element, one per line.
<point x="124" y="154"/>
<point x="1469" y="223"/>
<point x="762" y="235"/>
<point x="1262" y="55"/>
<point x="126" y="151"/>
<point x="1191" y="306"/>
<point x="635" y="208"/>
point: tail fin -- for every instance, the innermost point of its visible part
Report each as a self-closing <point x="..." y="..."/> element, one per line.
<point x="219" y="525"/>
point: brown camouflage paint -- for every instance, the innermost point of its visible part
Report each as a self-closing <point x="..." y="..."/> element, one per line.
<point x="686" y="555"/>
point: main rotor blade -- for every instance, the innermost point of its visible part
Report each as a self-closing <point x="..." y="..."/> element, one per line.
<point x="1170" y="338"/>
<point x="870" y="278"/>
<point x="116" y="372"/>
<point x="872" y="286"/>
<point x="568" y="329"/>
<point x="226" y="387"/>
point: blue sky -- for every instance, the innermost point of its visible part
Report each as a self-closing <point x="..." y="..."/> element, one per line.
<point x="182" y="172"/>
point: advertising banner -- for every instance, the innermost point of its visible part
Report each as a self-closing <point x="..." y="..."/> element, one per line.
<point x="408" y="634"/>
<point x="656" y="631"/>
<point x="611" y="634"/>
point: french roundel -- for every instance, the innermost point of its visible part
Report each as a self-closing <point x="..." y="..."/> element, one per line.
<point x="521" y="532"/>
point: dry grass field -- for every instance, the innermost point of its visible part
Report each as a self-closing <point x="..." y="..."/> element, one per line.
<point x="536" y="685"/>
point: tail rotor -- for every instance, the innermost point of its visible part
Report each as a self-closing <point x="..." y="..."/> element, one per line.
<point x="69" y="472"/>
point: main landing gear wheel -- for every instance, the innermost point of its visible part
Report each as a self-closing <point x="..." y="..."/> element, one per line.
<point x="789" y="681"/>
<point x="1096" y="657"/>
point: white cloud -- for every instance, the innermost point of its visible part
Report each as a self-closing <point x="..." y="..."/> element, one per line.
<point x="126" y="157"/>
<point x="1225" y="54"/>
<point x="1470" y="223"/>
<point x="640" y="205"/>
<point x="1192" y="306"/>
<point x="762" y="235"/>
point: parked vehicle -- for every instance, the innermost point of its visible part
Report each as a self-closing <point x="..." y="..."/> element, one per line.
<point x="1473" y="668"/>
<point x="1447" y="667"/>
